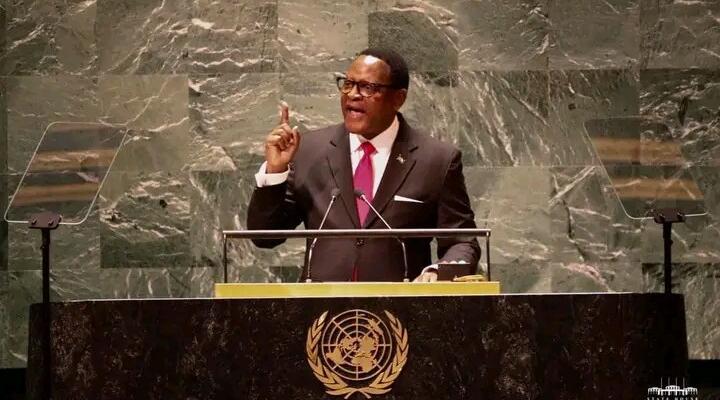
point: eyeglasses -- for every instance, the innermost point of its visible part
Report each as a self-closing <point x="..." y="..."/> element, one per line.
<point x="366" y="89"/>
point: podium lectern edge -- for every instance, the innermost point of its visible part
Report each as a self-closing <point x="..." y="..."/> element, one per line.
<point x="353" y="289"/>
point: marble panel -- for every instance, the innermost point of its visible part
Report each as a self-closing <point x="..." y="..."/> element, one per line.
<point x="287" y="273"/>
<point x="594" y="35"/>
<point x="314" y="99"/>
<point x="503" y="118"/>
<point x="700" y="284"/>
<point x="147" y="226"/>
<point x="3" y="27"/>
<point x="503" y="35"/>
<point x="4" y="190"/>
<point x="219" y="201"/>
<point x="423" y="32"/>
<point x="518" y="218"/>
<point x="685" y="103"/>
<point x="155" y="36"/>
<point x="437" y="103"/>
<point x="4" y="320"/>
<point x="578" y="96"/>
<point x="588" y="223"/>
<point x="262" y="273"/>
<point x="155" y="108"/>
<point x="433" y="107"/>
<point x="322" y="35"/>
<point x="495" y="118"/>
<point x="48" y="37"/>
<point x="72" y="246"/>
<point x="33" y="102"/>
<point x="522" y="276"/>
<point x="4" y="196"/>
<point x="230" y="116"/>
<point x="186" y="36"/>
<point x="679" y="34"/>
<point x="75" y="39"/>
<point x="3" y="119"/>
<point x="578" y="277"/>
<point x="708" y="180"/>
<point x="232" y="36"/>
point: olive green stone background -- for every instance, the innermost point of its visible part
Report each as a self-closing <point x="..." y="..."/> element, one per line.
<point x="511" y="82"/>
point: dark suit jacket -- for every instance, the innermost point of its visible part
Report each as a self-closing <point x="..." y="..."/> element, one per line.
<point x="431" y="172"/>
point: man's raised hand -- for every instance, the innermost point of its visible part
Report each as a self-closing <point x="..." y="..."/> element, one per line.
<point x="281" y="143"/>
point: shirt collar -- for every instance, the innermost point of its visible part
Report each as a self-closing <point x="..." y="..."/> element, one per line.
<point x="382" y="142"/>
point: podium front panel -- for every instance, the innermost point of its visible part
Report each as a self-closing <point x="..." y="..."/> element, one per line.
<point x="556" y="346"/>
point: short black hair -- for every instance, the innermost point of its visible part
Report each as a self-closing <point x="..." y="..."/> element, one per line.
<point x="399" y="75"/>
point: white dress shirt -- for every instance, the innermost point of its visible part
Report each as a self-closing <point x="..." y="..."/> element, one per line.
<point x="383" y="145"/>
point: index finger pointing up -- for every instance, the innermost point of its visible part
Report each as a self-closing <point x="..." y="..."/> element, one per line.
<point x="284" y="113"/>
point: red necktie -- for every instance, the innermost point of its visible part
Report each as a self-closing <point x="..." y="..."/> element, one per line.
<point x="363" y="180"/>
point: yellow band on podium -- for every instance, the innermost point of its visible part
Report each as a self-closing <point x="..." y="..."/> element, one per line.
<point x="354" y="289"/>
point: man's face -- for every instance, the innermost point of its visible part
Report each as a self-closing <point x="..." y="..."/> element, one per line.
<point x="369" y="116"/>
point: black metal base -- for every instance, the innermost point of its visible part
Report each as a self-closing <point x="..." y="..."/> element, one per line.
<point x="12" y="383"/>
<point x="667" y="217"/>
<point x="46" y="222"/>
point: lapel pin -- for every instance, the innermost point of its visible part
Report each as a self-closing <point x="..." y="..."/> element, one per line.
<point x="400" y="159"/>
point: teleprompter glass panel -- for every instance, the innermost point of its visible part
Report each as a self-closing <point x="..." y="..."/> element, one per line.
<point x="648" y="166"/>
<point x="66" y="171"/>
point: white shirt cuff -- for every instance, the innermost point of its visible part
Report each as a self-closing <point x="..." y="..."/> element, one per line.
<point x="262" y="178"/>
<point x="430" y="268"/>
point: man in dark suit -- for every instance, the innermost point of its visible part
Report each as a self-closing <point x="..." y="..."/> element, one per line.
<point x="412" y="179"/>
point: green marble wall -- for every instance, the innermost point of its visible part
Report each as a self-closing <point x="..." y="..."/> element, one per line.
<point x="511" y="82"/>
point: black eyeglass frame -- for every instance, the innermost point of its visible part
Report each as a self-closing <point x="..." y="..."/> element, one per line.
<point x="362" y="86"/>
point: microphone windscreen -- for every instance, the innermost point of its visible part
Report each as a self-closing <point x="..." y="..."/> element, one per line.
<point x="359" y="193"/>
<point x="335" y="192"/>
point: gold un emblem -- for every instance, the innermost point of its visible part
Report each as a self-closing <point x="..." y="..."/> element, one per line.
<point x="356" y="352"/>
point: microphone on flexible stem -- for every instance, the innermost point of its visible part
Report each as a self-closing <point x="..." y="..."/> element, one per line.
<point x="359" y="194"/>
<point x="334" y="195"/>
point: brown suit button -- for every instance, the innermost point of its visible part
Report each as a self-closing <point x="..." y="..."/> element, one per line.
<point x="359" y="242"/>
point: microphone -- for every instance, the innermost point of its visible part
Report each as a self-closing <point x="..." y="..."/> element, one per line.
<point x="359" y="194"/>
<point x="333" y="196"/>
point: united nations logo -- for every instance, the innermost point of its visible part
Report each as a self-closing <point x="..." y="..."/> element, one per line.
<point x="357" y="352"/>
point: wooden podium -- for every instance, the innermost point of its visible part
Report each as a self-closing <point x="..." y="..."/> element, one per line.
<point x="363" y="340"/>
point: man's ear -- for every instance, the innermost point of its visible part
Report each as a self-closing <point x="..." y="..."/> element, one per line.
<point x="399" y="98"/>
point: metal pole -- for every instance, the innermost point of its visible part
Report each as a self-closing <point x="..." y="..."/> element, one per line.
<point x="354" y="233"/>
<point x="225" y="268"/>
<point x="487" y="255"/>
<point x="667" y="239"/>
<point x="46" y="221"/>
<point x="47" y="382"/>
<point x="667" y="217"/>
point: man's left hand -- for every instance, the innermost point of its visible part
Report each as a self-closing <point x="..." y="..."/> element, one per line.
<point x="428" y="276"/>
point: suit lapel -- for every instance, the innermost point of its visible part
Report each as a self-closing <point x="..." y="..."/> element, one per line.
<point x="399" y="165"/>
<point x="341" y="168"/>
